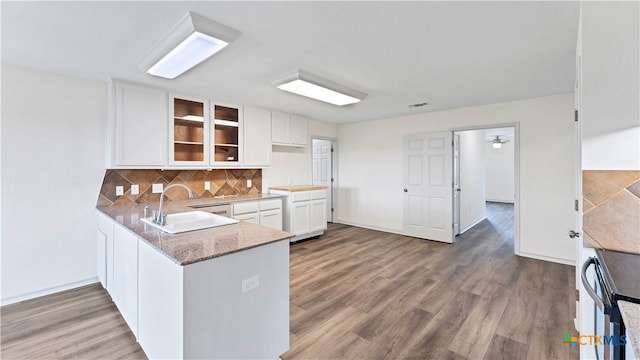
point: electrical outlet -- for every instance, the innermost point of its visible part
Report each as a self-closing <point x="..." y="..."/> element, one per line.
<point x="135" y="189"/>
<point x="248" y="183"/>
<point x="207" y="185"/>
<point x="119" y="190"/>
<point x="157" y="188"/>
<point x="250" y="283"/>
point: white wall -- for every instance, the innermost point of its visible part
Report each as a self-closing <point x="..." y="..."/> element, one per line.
<point x="52" y="167"/>
<point x="292" y="166"/>
<point x="610" y="85"/>
<point x="371" y="174"/>
<point x="472" y="179"/>
<point x="500" y="172"/>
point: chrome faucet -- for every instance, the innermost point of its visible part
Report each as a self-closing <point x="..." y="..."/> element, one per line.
<point x="158" y="216"/>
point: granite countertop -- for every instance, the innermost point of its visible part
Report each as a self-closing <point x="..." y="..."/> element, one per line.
<point x="194" y="246"/>
<point x="631" y="317"/>
<point x="295" y="188"/>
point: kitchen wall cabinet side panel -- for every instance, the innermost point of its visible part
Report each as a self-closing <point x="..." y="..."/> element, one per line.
<point x="257" y="137"/>
<point x="140" y="121"/>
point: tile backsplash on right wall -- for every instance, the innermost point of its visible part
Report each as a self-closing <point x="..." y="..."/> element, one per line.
<point x="611" y="205"/>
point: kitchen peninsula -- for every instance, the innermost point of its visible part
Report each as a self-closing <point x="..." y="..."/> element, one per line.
<point x="198" y="294"/>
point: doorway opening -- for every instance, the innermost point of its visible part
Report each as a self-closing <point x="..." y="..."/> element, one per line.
<point x="485" y="178"/>
<point x="325" y="171"/>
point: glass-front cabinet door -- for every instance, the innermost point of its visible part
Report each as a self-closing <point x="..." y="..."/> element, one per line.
<point x="227" y="135"/>
<point x="187" y="131"/>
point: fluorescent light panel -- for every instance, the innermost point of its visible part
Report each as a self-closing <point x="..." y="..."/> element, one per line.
<point x="193" y="40"/>
<point x="303" y="83"/>
<point x="189" y="53"/>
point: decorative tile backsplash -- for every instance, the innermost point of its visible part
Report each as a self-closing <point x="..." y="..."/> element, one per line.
<point x="223" y="182"/>
<point x="611" y="205"/>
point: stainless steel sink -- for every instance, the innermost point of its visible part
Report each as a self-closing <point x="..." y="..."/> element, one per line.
<point x="190" y="221"/>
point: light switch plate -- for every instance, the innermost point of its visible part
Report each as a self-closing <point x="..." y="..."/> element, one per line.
<point x="135" y="189"/>
<point x="248" y="183"/>
<point x="156" y="188"/>
<point x="207" y="185"/>
<point x="119" y="190"/>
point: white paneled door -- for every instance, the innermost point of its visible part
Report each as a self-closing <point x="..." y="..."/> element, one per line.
<point x="322" y="170"/>
<point x="428" y="186"/>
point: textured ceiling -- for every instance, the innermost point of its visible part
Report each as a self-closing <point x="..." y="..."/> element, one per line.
<point x="450" y="54"/>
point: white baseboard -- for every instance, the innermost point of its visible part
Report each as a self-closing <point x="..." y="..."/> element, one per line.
<point x="547" y="258"/>
<point x="377" y="228"/>
<point x="49" y="291"/>
<point x="500" y="201"/>
<point x="472" y="225"/>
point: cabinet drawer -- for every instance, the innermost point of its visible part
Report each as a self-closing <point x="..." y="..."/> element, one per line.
<point x="318" y="194"/>
<point x="270" y="204"/>
<point x="245" y="207"/>
<point x="300" y="196"/>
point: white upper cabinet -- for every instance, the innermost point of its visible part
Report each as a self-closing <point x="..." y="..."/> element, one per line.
<point x="298" y="130"/>
<point x="288" y="130"/>
<point x="280" y="128"/>
<point x="257" y="137"/>
<point x="150" y="128"/>
<point x="226" y="135"/>
<point x="139" y="126"/>
<point x="189" y="124"/>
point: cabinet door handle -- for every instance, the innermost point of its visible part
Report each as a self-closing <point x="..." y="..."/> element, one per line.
<point x="405" y="190"/>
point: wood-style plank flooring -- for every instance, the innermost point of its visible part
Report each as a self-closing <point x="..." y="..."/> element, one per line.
<point x="82" y="323"/>
<point x="359" y="294"/>
<point x="363" y="294"/>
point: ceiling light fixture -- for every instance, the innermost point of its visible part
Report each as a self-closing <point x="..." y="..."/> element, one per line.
<point x="194" y="39"/>
<point x="306" y="84"/>
<point x="420" y="104"/>
<point x="497" y="142"/>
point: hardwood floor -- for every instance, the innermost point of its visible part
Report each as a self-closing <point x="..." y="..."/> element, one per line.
<point x="363" y="294"/>
<point x="360" y="294"/>
<point x="82" y="323"/>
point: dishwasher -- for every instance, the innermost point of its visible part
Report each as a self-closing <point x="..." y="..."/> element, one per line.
<point x="218" y="209"/>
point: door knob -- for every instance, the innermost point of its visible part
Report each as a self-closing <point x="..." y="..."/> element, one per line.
<point x="405" y="190"/>
<point x="573" y="234"/>
<point x="458" y="189"/>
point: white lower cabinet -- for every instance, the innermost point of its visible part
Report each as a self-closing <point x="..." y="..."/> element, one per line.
<point x="262" y="212"/>
<point x="271" y="219"/>
<point x="251" y="218"/>
<point x="199" y="310"/>
<point x="318" y="215"/>
<point x="305" y="212"/>
<point x="125" y="275"/>
<point x="300" y="218"/>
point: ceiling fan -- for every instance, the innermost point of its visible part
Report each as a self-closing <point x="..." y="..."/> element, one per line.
<point x="497" y="142"/>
